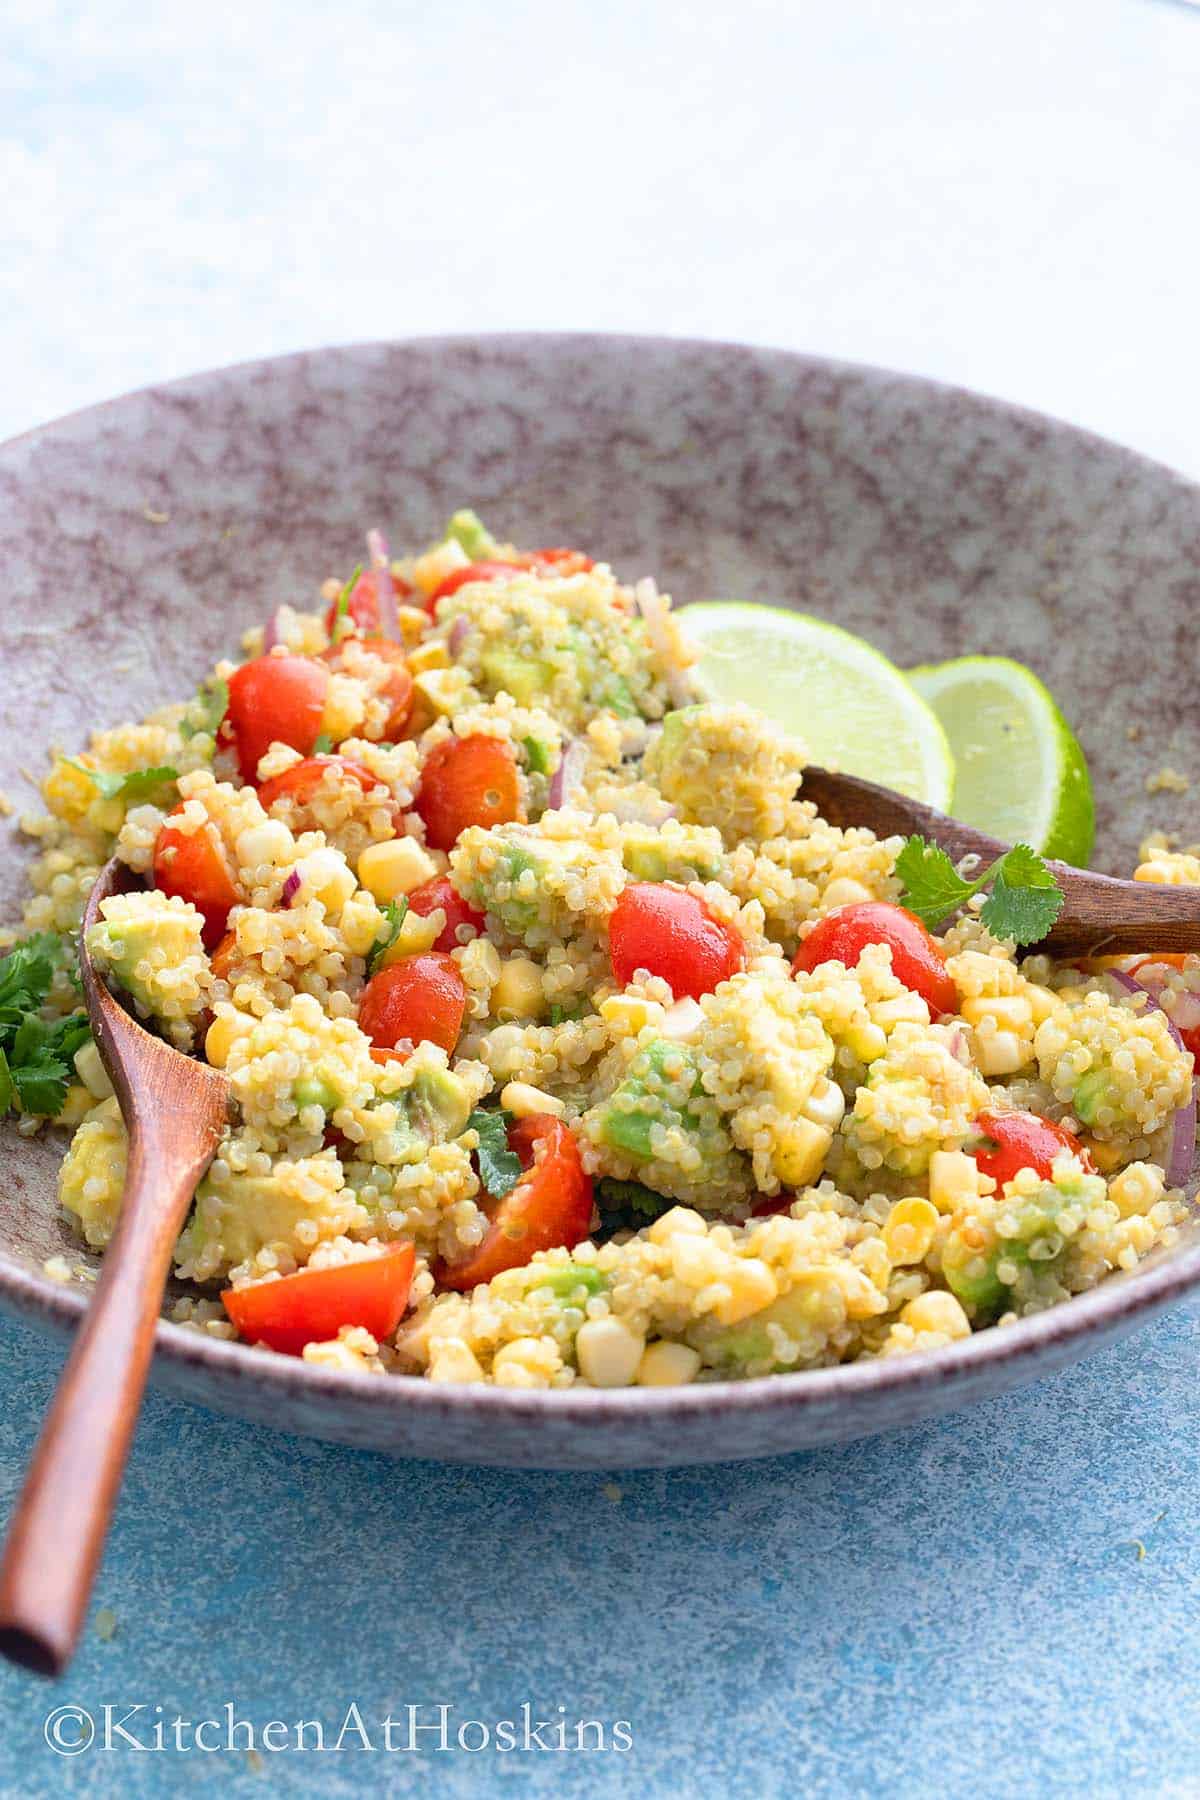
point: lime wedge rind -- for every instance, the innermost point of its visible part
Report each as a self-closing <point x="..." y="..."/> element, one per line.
<point x="1020" y="771"/>
<point x="851" y="708"/>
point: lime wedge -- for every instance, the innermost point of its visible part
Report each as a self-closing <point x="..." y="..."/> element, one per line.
<point x="1019" y="771"/>
<point x="851" y="708"/>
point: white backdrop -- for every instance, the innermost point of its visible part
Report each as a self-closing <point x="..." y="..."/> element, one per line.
<point x="997" y="192"/>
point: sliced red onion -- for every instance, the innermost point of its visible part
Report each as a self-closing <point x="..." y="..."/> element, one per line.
<point x="458" y="632"/>
<point x="654" y="612"/>
<point x="272" y="635"/>
<point x="568" y="775"/>
<point x="1181" y="1151"/>
<point x="291" y="887"/>
<point x="385" y="587"/>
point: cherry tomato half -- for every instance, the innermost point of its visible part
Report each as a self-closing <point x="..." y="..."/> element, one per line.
<point x="1021" y="1140"/>
<point x="550" y="1206"/>
<point x="917" y="959"/>
<point x="193" y="864"/>
<point x="299" y="783"/>
<point x="441" y="892"/>
<point x="420" y="999"/>
<point x="669" y="932"/>
<point x="467" y="781"/>
<point x="537" y="562"/>
<point x="274" y="700"/>
<point x="311" y="1306"/>
<point x="362" y="608"/>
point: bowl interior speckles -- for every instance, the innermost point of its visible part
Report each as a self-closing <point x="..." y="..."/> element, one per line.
<point x="139" y="538"/>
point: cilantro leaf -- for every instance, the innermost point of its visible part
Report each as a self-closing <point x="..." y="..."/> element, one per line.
<point x="342" y="608"/>
<point x="35" y="1051"/>
<point x="394" y="914"/>
<point x="323" y="745"/>
<point x="26" y="975"/>
<point x="562" y="1015"/>
<point x="1024" y="902"/>
<point x="207" y="710"/>
<point x="138" y="786"/>
<point x="7" y="1090"/>
<point x="628" y="1205"/>
<point x="499" y="1167"/>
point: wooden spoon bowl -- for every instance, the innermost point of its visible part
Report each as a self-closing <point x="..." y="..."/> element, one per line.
<point x="175" y="1111"/>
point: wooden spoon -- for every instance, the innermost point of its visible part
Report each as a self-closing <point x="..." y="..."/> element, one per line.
<point x="174" y="1111"/>
<point x="1100" y="916"/>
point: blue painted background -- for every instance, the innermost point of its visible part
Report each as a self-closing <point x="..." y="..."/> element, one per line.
<point x="962" y="1609"/>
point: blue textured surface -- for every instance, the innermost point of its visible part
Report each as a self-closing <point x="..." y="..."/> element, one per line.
<point x="962" y="1609"/>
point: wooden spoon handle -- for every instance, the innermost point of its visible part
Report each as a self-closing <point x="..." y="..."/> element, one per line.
<point x="59" y="1525"/>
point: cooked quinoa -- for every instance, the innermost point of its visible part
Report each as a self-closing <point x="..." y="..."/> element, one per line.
<point x="429" y="925"/>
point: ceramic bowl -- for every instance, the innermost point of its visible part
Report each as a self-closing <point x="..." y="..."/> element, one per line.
<point x="138" y="538"/>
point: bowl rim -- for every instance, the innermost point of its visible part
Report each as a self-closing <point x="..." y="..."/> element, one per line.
<point x="1119" y="1300"/>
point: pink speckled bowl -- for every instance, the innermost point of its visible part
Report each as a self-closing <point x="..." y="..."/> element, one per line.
<point x="933" y="521"/>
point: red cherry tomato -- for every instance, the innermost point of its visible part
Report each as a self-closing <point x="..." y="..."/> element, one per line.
<point x="917" y="960"/>
<point x="362" y="608"/>
<point x="441" y="892"/>
<point x="664" y="929"/>
<point x="399" y="687"/>
<point x="538" y="562"/>
<point x="223" y="957"/>
<point x="420" y="999"/>
<point x="550" y="1206"/>
<point x="274" y="700"/>
<point x="1021" y="1140"/>
<point x="193" y="864"/>
<point x="311" y="1306"/>
<point x="467" y="781"/>
<point x="299" y="783"/>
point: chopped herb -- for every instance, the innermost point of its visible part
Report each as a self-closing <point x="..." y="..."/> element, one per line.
<point x="1024" y="902"/>
<point x="537" y="755"/>
<point x="35" y="1052"/>
<point x="343" y="600"/>
<point x="394" y="914"/>
<point x="499" y="1167"/>
<point x="469" y="530"/>
<point x="560" y="1015"/>
<point x="139" y="785"/>
<point x="628" y="1206"/>
<point x="323" y="745"/>
<point x="207" y="710"/>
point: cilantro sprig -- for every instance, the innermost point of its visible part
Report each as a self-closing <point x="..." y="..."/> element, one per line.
<point x="206" y="710"/>
<point x="628" y="1205"/>
<point x="138" y="786"/>
<point x="342" y="608"/>
<point x="1024" y="902"/>
<point x="499" y="1167"/>
<point x="35" y="1052"/>
<point x="394" y="914"/>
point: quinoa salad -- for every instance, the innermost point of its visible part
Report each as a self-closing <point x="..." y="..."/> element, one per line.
<point x="568" y="1045"/>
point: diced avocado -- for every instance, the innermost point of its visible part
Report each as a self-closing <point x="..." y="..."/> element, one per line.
<point x="314" y="1090"/>
<point x="1090" y="1094"/>
<point x="972" y="1269"/>
<point x="615" y="693"/>
<point x="133" y="926"/>
<point x="469" y="530"/>
<point x="563" y="1283"/>
<point x="658" y="1078"/>
<point x="537" y="755"/>
<point x="650" y="857"/>
<point x="438" y="1105"/>
<point x="806" y="1316"/>
<point x="505" y="669"/>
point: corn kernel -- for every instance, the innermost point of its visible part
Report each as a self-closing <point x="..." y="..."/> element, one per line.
<point x="524" y="1101"/>
<point x="527" y="1362"/>
<point x="453" y="1360"/>
<point x="953" y="1180"/>
<point x="681" y="1221"/>
<point x="1011" y="1012"/>
<point x="863" y="1299"/>
<point x="429" y="571"/>
<point x="800" y="1154"/>
<point x="433" y="655"/>
<point x="750" y="1285"/>
<point x="91" y="1071"/>
<point x="1042" y="1002"/>
<point x="395" y="867"/>
<point x="518" y="994"/>
<point x="629" y="1013"/>
<point x="866" y="1040"/>
<point x="416" y="935"/>
<point x="608" y="1352"/>
<point x="413" y="622"/>
<point x="441" y="690"/>
<point x="667" y="1365"/>
<point x="223" y="1033"/>
<point x="937" y="1311"/>
<point x="826" y="1105"/>
<point x="1001" y="1053"/>
<point x="908" y="1231"/>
